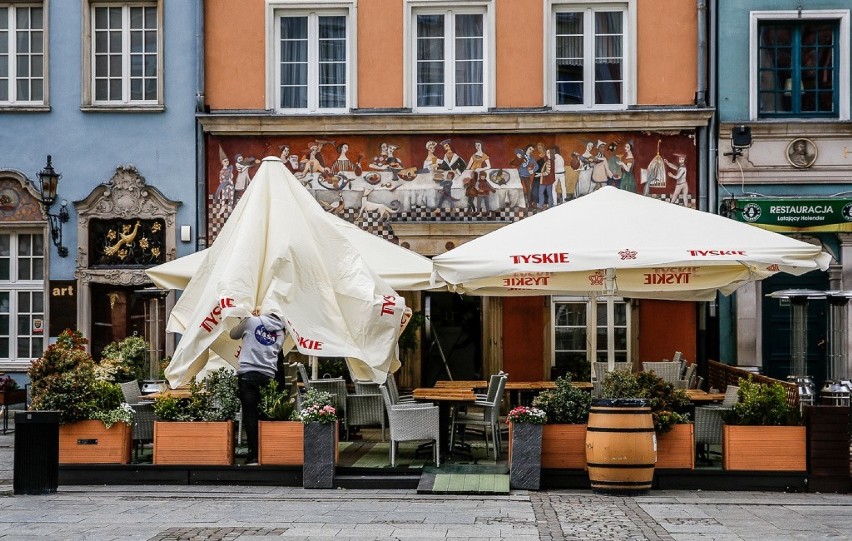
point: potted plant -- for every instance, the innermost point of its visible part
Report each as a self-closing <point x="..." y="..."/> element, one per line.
<point x="762" y="432"/>
<point x="620" y="437"/>
<point x="525" y="435"/>
<point x="280" y="439"/>
<point x="563" y="440"/>
<point x="123" y="361"/>
<point x="674" y="431"/>
<point x="10" y="393"/>
<point x="319" y="420"/>
<point x="95" y="423"/>
<point x="200" y="429"/>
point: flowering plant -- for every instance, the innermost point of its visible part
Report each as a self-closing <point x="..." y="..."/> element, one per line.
<point x="7" y="384"/>
<point x="121" y="414"/>
<point x="316" y="414"/>
<point x="524" y="414"/>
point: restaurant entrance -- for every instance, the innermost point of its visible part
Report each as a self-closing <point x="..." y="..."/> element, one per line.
<point x="453" y="327"/>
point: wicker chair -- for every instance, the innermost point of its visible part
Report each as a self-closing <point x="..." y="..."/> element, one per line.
<point x="708" y="419"/>
<point x="365" y="410"/>
<point x="143" y="417"/>
<point x="412" y="423"/>
<point x="668" y="370"/>
<point x="600" y="369"/>
<point x="396" y="398"/>
<point x="367" y="387"/>
<point x="489" y="419"/>
<point x="303" y="373"/>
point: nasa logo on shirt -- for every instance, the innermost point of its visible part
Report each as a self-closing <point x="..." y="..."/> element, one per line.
<point x="264" y="336"/>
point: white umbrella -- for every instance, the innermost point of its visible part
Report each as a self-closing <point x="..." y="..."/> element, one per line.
<point x="279" y="252"/>
<point x="615" y="242"/>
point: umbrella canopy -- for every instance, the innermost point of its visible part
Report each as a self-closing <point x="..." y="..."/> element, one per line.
<point x="613" y="241"/>
<point x="279" y="252"/>
<point x="401" y="268"/>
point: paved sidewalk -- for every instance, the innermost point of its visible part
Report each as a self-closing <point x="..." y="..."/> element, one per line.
<point x="165" y="513"/>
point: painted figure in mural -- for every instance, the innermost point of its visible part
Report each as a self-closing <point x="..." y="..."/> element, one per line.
<point x="601" y="173"/>
<point x="393" y="162"/>
<point x="243" y="166"/>
<point x="313" y="162"/>
<point x="559" y="173"/>
<point x="525" y="165"/>
<point x="539" y="156"/>
<point x="612" y="164"/>
<point x="430" y="164"/>
<point x="483" y="190"/>
<point x="445" y="193"/>
<point x="342" y="163"/>
<point x="380" y="161"/>
<point x="625" y="163"/>
<point x="225" y="192"/>
<point x="586" y="162"/>
<point x="470" y="191"/>
<point x="547" y="179"/>
<point x="451" y="161"/>
<point x="679" y="176"/>
<point x="291" y="161"/>
<point x="479" y="160"/>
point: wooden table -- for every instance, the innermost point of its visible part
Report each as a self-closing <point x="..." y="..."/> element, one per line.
<point x="180" y="392"/>
<point x="697" y="396"/>
<point x="510" y="385"/>
<point x="445" y="398"/>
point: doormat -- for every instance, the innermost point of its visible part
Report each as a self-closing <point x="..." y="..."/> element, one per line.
<point x="464" y="479"/>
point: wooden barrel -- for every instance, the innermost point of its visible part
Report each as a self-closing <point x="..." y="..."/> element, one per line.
<point x="620" y="446"/>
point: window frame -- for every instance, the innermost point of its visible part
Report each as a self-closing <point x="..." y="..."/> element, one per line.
<point x="32" y="105"/>
<point x="89" y="103"/>
<point x="594" y="305"/>
<point x="14" y="287"/>
<point x="486" y="8"/>
<point x="843" y="44"/>
<point x="628" y="8"/>
<point x="278" y="8"/>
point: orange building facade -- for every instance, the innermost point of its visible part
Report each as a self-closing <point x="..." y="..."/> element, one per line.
<point x="454" y="119"/>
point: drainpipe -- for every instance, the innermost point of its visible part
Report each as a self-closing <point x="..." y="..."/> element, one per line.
<point x="200" y="159"/>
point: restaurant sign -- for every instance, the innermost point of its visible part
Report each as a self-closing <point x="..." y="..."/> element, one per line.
<point x="814" y="215"/>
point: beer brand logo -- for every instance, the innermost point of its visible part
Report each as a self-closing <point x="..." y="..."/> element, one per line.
<point x="596" y="279"/>
<point x="846" y="212"/>
<point x="751" y="212"/>
<point x="627" y="254"/>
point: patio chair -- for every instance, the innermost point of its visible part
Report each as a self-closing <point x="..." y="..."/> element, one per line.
<point x="412" y="423"/>
<point x="688" y="376"/>
<point x="337" y="388"/>
<point x="708" y="421"/>
<point x="143" y="416"/>
<point x="303" y="373"/>
<point x="365" y="410"/>
<point x="393" y="390"/>
<point x="367" y="387"/>
<point x="668" y="370"/>
<point x="599" y="370"/>
<point x="489" y="419"/>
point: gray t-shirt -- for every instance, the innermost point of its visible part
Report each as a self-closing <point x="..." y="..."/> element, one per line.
<point x="262" y="337"/>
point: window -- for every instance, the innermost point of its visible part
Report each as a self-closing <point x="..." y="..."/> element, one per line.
<point x="22" y="54"/>
<point x="580" y="334"/>
<point x="800" y="64"/>
<point x="590" y="57"/>
<point x="450" y="68"/>
<point x="125" y="57"/>
<point x="21" y="298"/>
<point x="312" y="71"/>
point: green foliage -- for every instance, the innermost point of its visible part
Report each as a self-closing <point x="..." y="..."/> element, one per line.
<point x="565" y="404"/>
<point x="121" y="414"/>
<point x="620" y="384"/>
<point x="276" y="405"/>
<point x="408" y="338"/>
<point x="63" y="379"/>
<point x="669" y="406"/>
<point x="761" y="404"/>
<point x="315" y="397"/>
<point x="164" y="363"/>
<point x="215" y="398"/>
<point x="123" y="361"/>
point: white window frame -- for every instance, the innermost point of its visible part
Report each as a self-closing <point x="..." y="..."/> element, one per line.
<point x="628" y="7"/>
<point x="15" y="286"/>
<point x="13" y="102"/>
<point x="843" y="90"/>
<point x="593" y="348"/>
<point x="461" y="7"/>
<point x="277" y="8"/>
<point x="88" y="79"/>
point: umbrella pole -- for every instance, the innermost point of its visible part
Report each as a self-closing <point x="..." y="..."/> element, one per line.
<point x="610" y="319"/>
<point x="314" y="366"/>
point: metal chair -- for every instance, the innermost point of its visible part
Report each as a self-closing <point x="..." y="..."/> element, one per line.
<point x="412" y="423"/>
<point x="143" y="416"/>
<point x="668" y="370"/>
<point x="489" y="419"/>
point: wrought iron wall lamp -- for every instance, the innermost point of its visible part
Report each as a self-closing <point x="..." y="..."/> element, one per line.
<point x="49" y="180"/>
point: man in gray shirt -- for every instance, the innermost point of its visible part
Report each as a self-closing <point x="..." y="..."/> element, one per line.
<point x="263" y="336"/>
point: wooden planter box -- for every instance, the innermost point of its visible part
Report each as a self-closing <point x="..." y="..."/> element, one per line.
<point x="281" y="443"/>
<point x="90" y="442"/>
<point x="15" y="396"/>
<point x="195" y="442"/>
<point x="676" y="449"/>
<point x="563" y="447"/>
<point x="764" y="448"/>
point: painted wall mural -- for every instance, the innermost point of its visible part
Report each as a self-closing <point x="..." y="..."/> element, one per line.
<point x="373" y="179"/>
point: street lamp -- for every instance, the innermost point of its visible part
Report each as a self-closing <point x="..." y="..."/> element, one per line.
<point x="49" y="180"/>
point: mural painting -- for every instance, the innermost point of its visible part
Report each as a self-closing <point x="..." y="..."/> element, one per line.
<point x="370" y="180"/>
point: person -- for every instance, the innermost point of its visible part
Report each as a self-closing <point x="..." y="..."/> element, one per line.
<point x="679" y="176"/>
<point x="225" y="192"/>
<point x="625" y="162"/>
<point x="263" y="337"/>
<point x="451" y="160"/>
<point x="547" y="178"/>
<point x="479" y="161"/>
<point x="342" y="163"/>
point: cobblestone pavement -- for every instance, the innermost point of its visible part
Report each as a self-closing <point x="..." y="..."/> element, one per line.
<point x="171" y="513"/>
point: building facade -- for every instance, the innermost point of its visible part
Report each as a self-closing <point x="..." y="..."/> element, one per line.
<point x="430" y="122"/>
<point x="785" y="164"/>
<point x="107" y="89"/>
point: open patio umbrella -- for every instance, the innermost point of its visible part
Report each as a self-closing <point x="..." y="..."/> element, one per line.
<point x="280" y="252"/>
<point x="615" y="242"/>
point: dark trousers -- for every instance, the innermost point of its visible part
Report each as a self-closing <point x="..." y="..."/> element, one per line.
<point x="250" y="385"/>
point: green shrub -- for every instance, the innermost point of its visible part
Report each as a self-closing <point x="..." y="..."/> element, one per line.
<point x="565" y="404"/>
<point x="620" y="384"/>
<point x="669" y="406"/>
<point x="317" y="398"/>
<point x="123" y="361"/>
<point x="169" y="408"/>
<point x="63" y="379"/>
<point x="276" y="405"/>
<point x="215" y="398"/>
<point x="761" y="404"/>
